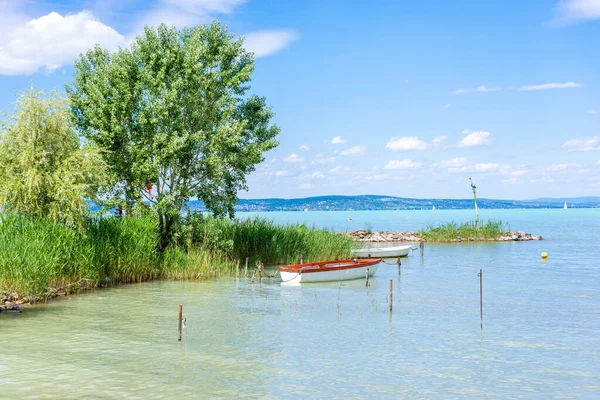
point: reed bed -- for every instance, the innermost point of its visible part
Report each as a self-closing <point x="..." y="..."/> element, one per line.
<point x="260" y="239"/>
<point x="468" y="231"/>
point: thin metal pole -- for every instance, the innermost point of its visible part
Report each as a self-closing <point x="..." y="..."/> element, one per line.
<point x="180" y="319"/>
<point x="481" y="299"/>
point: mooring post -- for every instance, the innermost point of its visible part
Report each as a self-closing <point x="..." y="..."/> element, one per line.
<point x="367" y="278"/>
<point x="259" y="272"/>
<point x="481" y="299"/>
<point x="391" y="293"/>
<point x="180" y="320"/>
<point x="246" y="268"/>
<point x="399" y="264"/>
<point x="422" y="247"/>
<point x="301" y="256"/>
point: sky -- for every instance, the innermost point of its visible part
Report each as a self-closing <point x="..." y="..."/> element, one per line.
<point x="406" y="98"/>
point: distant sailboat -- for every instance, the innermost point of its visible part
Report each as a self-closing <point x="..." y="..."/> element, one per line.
<point x="565" y="207"/>
<point x="433" y="208"/>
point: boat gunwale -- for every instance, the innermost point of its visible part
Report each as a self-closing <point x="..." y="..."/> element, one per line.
<point x="322" y="266"/>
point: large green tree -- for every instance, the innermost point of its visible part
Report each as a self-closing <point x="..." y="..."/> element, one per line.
<point x="173" y="110"/>
<point x="44" y="169"/>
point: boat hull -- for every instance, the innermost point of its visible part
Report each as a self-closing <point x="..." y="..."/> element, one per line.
<point x="331" y="272"/>
<point x="383" y="252"/>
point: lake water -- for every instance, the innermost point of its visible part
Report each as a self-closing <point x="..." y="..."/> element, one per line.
<point x="540" y="336"/>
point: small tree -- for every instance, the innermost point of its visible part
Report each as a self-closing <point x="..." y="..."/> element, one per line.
<point x="44" y="170"/>
<point x="173" y="112"/>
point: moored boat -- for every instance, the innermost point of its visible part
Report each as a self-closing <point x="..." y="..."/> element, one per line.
<point x="327" y="271"/>
<point x="383" y="252"/>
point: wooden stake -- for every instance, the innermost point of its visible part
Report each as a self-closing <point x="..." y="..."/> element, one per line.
<point x="399" y="264"/>
<point x="367" y="278"/>
<point x="422" y="247"/>
<point x="391" y="293"/>
<point x="246" y="268"/>
<point x="180" y="320"/>
<point x="481" y="299"/>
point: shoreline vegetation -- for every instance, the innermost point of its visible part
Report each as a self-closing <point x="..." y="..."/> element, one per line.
<point x="41" y="259"/>
<point x="450" y="232"/>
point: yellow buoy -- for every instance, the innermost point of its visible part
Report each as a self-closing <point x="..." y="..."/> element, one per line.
<point x="544" y="255"/>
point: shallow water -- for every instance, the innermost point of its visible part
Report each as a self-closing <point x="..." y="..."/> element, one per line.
<point x="540" y="336"/>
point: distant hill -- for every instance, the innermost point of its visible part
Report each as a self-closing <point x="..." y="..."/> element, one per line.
<point x="373" y="202"/>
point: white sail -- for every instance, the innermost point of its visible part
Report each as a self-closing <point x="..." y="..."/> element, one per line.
<point x="565" y="207"/>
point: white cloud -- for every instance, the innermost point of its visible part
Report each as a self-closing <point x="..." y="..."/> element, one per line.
<point x="488" y="167"/>
<point x="339" y="169"/>
<point x="305" y="186"/>
<point x="481" y="88"/>
<point x="182" y="13"/>
<point x="406" y="144"/>
<point x="402" y="164"/>
<point x="512" y="181"/>
<point x="293" y="158"/>
<point x="281" y="173"/>
<point x="304" y="148"/>
<point x="572" y="11"/>
<point x="446" y="107"/>
<point x="317" y="175"/>
<point x="267" y="42"/>
<point x="560" y="168"/>
<point x="589" y="144"/>
<point x="474" y="139"/>
<point x="354" y="151"/>
<point x="439" y="140"/>
<point x="544" y="179"/>
<point x="52" y="41"/>
<point x="321" y="159"/>
<point x="337" y="140"/>
<point x="554" y="85"/>
<point x="590" y="111"/>
<point x="452" y="163"/>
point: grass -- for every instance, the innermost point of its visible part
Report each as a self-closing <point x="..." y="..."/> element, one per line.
<point x="37" y="254"/>
<point x="261" y="239"/>
<point x="452" y="231"/>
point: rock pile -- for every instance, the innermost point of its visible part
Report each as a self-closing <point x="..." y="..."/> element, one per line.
<point x="518" y="236"/>
<point x="364" y="236"/>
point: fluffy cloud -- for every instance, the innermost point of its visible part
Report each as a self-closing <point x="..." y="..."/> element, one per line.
<point x="439" y="140"/>
<point x="265" y="43"/>
<point x="512" y="181"/>
<point x="555" y="85"/>
<point x="321" y="159"/>
<point x="406" y="144"/>
<point x="572" y="11"/>
<point x="281" y="173"/>
<point x="317" y="175"/>
<point x="453" y="163"/>
<point x="304" y="148"/>
<point x="561" y="168"/>
<point x="293" y="158"/>
<point x="488" y="167"/>
<point x="52" y="41"/>
<point x="354" y="151"/>
<point x="339" y="169"/>
<point x="589" y="144"/>
<point x="481" y="88"/>
<point x="305" y="186"/>
<point x="337" y="140"/>
<point x="183" y="13"/>
<point x="474" y="139"/>
<point x="402" y="164"/>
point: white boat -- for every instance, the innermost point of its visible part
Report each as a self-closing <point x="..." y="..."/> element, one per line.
<point x="328" y="271"/>
<point x="383" y="252"/>
<point x="565" y="207"/>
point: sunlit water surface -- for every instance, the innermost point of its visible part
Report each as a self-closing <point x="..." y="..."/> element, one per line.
<point x="540" y="336"/>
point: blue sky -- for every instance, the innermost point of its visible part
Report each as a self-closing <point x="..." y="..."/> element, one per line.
<point x="405" y="98"/>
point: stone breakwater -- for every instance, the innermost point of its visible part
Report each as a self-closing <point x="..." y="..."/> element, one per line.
<point x="364" y="236"/>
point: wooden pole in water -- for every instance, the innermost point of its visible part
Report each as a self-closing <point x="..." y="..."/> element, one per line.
<point x="246" y="268"/>
<point x="399" y="264"/>
<point x="180" y="319"/>
<point x="367" y="278"/>
<point x="259" y="272"/>
<point x="391" y="292"/>
<point x="481" y="299"/>
<point x="422" y="247"/>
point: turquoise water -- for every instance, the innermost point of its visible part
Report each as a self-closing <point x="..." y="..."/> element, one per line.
<point x="540" y="336"/>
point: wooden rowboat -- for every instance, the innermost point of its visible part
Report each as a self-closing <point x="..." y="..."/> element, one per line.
<point x="327" y="271"/>
<point x="392" y="251"/>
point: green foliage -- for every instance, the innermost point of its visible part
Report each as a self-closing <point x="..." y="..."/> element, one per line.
<point x="38" y="253"/>
<point x="44" y="171"/>
<point x="261" y="239"/>
<point x="173" y="110"/>
<point x="469" y="231"/>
